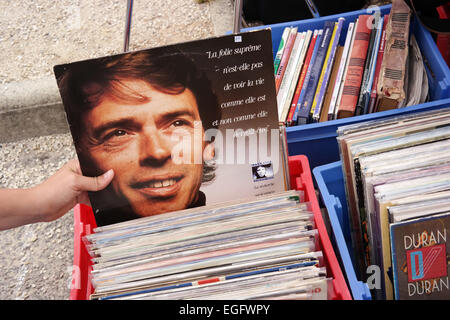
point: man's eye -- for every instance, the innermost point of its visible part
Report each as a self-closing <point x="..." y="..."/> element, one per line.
<point x="119" y="133"/>
<point x="179" y="123"/>
<point x="115" y="133"/>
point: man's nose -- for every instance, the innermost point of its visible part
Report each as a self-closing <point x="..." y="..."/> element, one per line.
<point x="154" y="149"/>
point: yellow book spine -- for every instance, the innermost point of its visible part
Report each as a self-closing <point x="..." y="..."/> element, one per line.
<point x="322" y="73"/>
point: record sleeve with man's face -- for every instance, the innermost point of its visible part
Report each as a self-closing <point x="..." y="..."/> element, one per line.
<point x="182" y="126"/>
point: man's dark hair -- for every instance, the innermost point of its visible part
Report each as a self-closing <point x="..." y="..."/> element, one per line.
<point x="83" y="84"/>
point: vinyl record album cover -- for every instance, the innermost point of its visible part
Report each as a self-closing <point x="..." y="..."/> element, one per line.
<point x="420" y="252"/>
<point x="182" y="125"/>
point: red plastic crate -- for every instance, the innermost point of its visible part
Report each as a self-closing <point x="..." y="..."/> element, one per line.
<point x="84" y="223"/>
<point x="301" y="179"/>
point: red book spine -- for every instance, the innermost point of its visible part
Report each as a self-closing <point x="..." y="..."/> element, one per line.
<point x="373" y="93"/>
<point x="355" y="70"/>
<point x="285" y="58"/>
<point x="301" y="79"/>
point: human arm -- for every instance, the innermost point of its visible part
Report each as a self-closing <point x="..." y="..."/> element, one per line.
<point x="51" y="199"/>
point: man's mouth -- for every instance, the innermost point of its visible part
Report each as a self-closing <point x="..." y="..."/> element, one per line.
<point x="159" y="187"/>
<point x="160" y="183"/>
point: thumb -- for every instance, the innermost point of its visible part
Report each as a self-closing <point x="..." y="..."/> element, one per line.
<point x="94" y="183"/>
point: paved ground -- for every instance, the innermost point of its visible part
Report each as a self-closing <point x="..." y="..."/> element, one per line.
<point x="36" y="260"/>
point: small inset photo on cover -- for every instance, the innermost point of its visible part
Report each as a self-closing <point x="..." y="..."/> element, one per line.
<point x="262" y="171"/>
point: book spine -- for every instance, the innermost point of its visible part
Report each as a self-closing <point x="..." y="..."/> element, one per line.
<point x="392" y="75"/>
<point x="345" y="73"/>
<point x="332" y="82"/>
<point x="306" y="105"/>
<point x="301" y="79"/>
<point x="329" y="61"/>
<point x="322" y="75"/>
<point x="341" y="70"/>
<point x="281" y="47"/>
<point x="359" y="104"/>
<point x="307" y="76"/>
<point x="289" y="76"/>
<point x="374" y="58"/>
<point x="373" y="94"/>
<point x="352" y="82"/>
<point x="285" y="58"/>
<point x="300" y="63"/>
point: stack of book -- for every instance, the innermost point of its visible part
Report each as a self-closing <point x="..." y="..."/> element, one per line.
<point x="263" y="249"/>
<point x="397" y="179"/>
<point x="327" y="74"/>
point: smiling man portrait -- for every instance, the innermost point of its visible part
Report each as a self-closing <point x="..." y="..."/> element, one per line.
<point x="124" y="112"/>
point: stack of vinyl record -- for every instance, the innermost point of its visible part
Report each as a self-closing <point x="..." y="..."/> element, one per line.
<point x="397" y="176"/>
<point x="258" y="249"/>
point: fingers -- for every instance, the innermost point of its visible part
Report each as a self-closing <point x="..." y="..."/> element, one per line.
<point x="94" y="183"/>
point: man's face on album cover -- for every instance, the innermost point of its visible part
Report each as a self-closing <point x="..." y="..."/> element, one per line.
<point x="136" y="140"/>
<point x="261" y="171"/>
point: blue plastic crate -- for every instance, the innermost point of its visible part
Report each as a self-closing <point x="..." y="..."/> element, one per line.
<point x="330" y="181"/>
<point x="318" y="140"/>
